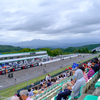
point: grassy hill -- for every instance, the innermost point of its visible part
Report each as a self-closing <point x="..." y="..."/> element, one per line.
<point x="9" y="48"/>
<point x="89" y="47"/>
<point x="12" y="49"/>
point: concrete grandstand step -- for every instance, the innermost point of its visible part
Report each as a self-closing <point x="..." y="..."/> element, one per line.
<point x="92" y="88"/>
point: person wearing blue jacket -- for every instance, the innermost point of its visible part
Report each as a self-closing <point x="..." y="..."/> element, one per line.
<point x="95" y="66"/>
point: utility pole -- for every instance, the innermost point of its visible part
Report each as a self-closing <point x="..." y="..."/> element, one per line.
<point x="0" y="93"/>
<point x="15" y="84"/>
<point x="27" y="79"/>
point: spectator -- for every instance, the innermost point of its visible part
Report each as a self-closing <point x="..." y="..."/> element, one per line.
<point x="73" y="71"/>
<point x="96" y="60"/>
<point x="24" y="95"/>
<point x="44" y="85"/>
<point x="60" y="77"/>
<point x="48" y="77"/>
<point x="56" y="79"/>
<point x="89" y="63"/>
<point x="65" y="74"/>
<point x="68" y="74"/>
<point x="52" y="81"/>
<point x="85" y="65"/>
<point x="30" y="93"/>
<point x="90" y="73"/>
<point x="48" y="83"/>
<point x="35" y="90"/>
<point x="41" y="82"/>
<point x="99" y="64"/>
<point x="19" y="96"/>
<point x="44" y="80"/>
<point x="79" y="82"/>
<point x="14" y="98"/>
<point x="69" y="83"/>
<point x="85" y="76"/>
<point x="95" y="66"/>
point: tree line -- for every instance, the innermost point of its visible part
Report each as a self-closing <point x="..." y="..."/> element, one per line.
<point x="52" y="52"/>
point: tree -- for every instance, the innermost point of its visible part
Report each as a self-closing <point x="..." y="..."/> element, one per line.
<point x="33" y="50"/>
<point x="75" y="51"/>
<point x="46" y="49"/>
<point x="87" y="51"/>
<point x="79" y="50"/>
<point x="56" y="52"/>
<point x="25" y="50"/>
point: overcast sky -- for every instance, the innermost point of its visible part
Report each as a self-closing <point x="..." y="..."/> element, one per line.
<point x="63" y="20"/>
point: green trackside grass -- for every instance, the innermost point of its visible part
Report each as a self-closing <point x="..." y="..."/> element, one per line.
<point x="11" y="90"/>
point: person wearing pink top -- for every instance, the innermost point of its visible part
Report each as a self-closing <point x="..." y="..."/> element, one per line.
<point x="14" y="98"/>
<point x="24" y="95"/>
<point x="85" y="75"/>
<point x="90" y="73"/>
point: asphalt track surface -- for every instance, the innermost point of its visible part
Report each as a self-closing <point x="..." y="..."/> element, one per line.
<point x="34" y="72"/>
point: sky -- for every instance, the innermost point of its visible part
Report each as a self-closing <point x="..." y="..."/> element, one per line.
<point x="60" y="20"/>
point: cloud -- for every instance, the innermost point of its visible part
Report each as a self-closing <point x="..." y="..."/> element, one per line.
<point x="56" y="19"/>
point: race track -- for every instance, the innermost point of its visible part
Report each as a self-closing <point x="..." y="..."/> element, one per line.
<point x="33" y="72"/>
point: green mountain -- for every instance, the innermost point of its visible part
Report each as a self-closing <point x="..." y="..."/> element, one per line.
<point x="51" y="51"/>
<point x="89" y="47"/>
<point x="9" y="48"/>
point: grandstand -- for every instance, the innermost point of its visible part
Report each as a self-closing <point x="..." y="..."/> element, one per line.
<point x="52" y="92"/>
<point x="89" y="91"/>
<point x="86" y="92"/>
<point x="18" y="61"/>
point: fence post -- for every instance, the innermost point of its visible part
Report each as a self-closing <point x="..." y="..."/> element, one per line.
<point x="37" y="75"/>
<point x="51" y="71"/>
<point x="57" y="69"/>
<point x="0" y="93"/>
<point x="27" y="79"/>
<point x="15" y="84"/>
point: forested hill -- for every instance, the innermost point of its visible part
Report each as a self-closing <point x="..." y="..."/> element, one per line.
<point x="9" y="48"/>
<point x="51" y="51"/>
<point x="89" y="47"/>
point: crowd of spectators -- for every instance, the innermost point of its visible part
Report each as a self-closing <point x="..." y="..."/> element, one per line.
<point x="80" y="74"/>
<point x="44" y="84"/>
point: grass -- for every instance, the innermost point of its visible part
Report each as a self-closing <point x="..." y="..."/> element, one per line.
<point x="11" y="90"/>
